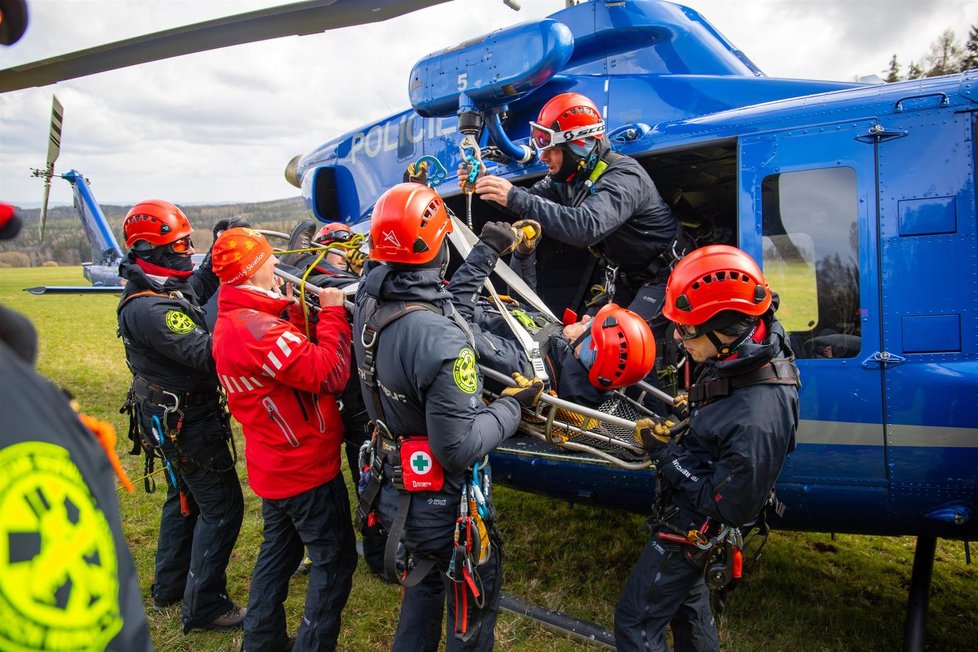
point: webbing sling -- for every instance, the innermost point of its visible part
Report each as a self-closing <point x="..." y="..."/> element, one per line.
<point x="780" y="371"/>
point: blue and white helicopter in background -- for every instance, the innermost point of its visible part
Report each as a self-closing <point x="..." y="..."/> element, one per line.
<point x="103" y="270"/>
<point x="858" y="199"/>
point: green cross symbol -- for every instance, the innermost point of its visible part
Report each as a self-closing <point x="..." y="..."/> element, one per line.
<point x="420" y="463"/>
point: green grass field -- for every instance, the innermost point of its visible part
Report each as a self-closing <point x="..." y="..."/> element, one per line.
<point x="810" y="592"/>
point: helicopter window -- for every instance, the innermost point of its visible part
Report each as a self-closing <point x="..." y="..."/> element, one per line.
<point x="810" y="255"/>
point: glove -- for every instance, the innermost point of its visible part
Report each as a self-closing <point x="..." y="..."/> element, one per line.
<point x="653" y="433"/>
<point x="527" y="390"/>
<point x="354" y="260"/>
<point x="681" y="404"/>
<point x="530" y="234"/>
<point x="229" y="223"/>
<point x="501" y="236"/>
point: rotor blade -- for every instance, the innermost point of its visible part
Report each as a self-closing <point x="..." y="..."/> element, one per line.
<point x="54" y="137"/>
<point x="44" y="205"/>
<point x="299" y="19"/>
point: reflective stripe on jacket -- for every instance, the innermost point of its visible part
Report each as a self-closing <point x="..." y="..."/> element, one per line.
<point x="281" y="388"/>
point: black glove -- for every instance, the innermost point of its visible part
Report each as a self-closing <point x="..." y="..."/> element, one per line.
<point x="229" y="223"/>
<point x="654" y="433"/>
<point x="501" y="236"/>
<point x="527" y="390"/>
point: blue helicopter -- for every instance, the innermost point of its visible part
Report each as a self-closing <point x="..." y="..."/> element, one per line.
<point x="858" y="199"/>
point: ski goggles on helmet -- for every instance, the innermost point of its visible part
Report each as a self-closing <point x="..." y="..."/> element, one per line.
<point x="182" y="246"/>
<point x="544" y="139"/>
<point x="335" y="236"/>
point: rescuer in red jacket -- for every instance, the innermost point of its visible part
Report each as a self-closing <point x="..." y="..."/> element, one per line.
<point x="283" y="388"/>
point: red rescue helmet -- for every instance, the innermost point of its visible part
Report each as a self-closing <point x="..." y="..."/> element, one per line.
<point x="566" y="118"/>
<point x="333" y="232"/>
<point x="408" y="225"/>
<point x="157" y="222"/>
<point x="624" y="348"/>
<point x="714" y="279"/>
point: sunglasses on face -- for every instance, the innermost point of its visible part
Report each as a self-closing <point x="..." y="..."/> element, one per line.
<point x="689" y="332"/>
<point x="544" y="139"/>
<point x="182" y="246"/>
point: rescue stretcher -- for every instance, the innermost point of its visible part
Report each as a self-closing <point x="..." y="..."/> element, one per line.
<point x="605" y="433"/>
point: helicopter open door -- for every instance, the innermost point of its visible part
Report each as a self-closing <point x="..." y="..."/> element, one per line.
<point x="808" y="211"/>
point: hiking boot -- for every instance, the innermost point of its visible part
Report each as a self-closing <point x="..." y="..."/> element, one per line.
<point x="230" y="620"/>
<point x="303" y="568"/>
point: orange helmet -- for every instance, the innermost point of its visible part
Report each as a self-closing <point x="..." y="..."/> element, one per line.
<point x="624" y="348"/>
<point x="408" y="225"/>
<point x="714" y="279"/>
<point x="566" y="118"/>
<point x="157" y="222"/>
<point x="333" y="232"/>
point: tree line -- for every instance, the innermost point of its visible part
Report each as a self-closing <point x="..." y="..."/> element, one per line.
<point x="946" y="56"/>
<point x="65" y="242"/>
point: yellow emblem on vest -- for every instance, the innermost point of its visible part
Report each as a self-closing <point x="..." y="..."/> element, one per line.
<point x="179" y="323"/>
<point x="59" y="583"/>
<point x="464" y="371"/>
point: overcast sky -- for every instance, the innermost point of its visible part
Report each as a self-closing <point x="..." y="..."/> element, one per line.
<point x="221" y="126"/>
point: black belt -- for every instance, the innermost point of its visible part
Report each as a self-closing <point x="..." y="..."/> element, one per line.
<point x="144" y="390"/>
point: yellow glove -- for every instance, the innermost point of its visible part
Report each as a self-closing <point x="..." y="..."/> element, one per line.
<point x="653" y="433"/>
<point x="527" y="390"/>
<point x="354" y="259"/>
<point x="530" y="234"/>
<point x="681" y="403"/>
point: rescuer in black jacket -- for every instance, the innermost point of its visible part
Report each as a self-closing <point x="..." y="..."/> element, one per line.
<point x="423" y="390"/>
<point x="720" y="472"/>
<point x="584" y="360"/>
<point x="179" y="415"/>
<point x="596" y="198"/>
<point x="68" y="575"/>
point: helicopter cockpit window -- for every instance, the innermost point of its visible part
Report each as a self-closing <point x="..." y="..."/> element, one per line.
<point x="810" y="258"/>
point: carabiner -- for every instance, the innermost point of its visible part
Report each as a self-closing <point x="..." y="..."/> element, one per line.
<point x="472" y="157"/>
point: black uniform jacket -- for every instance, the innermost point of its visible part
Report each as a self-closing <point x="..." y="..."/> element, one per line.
<point x="623" y="216"/>
<point x="498" y="347"/>
<point x="166" y="338"/>
<point x="430" y="385"/>
<point x="729" y="460"/>
<point x="59" y="518"/>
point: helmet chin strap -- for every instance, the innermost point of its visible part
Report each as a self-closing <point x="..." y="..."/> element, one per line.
<point x="727" y="349"/>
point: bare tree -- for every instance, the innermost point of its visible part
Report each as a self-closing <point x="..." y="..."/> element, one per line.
<point x="944" y="55"/>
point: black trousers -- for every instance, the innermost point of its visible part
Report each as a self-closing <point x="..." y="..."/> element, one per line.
<point x="192" y="552"/>
<point x="319" y="520"/>
<point x="374" y="536"/>
<point x="665" y="589"/>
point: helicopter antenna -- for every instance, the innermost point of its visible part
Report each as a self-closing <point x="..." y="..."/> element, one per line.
<point x="54" y="148"/>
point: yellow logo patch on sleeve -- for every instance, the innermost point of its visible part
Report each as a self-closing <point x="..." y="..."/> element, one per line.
<point x="179" y="322"/>
<point x="59" y="583"/>
<point x="464" y="371"/>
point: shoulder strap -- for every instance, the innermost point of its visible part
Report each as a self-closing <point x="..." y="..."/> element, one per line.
<point x="379" y="317"/>
<point x="144" y="293"/>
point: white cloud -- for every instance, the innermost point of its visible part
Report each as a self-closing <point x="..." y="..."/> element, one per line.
<point x="222" y="125"/>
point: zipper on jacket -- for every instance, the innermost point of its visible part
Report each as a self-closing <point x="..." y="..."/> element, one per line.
<point x="317" y="405"/>
<point x="302" y="407"/>
<point x="276" y="416"/>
